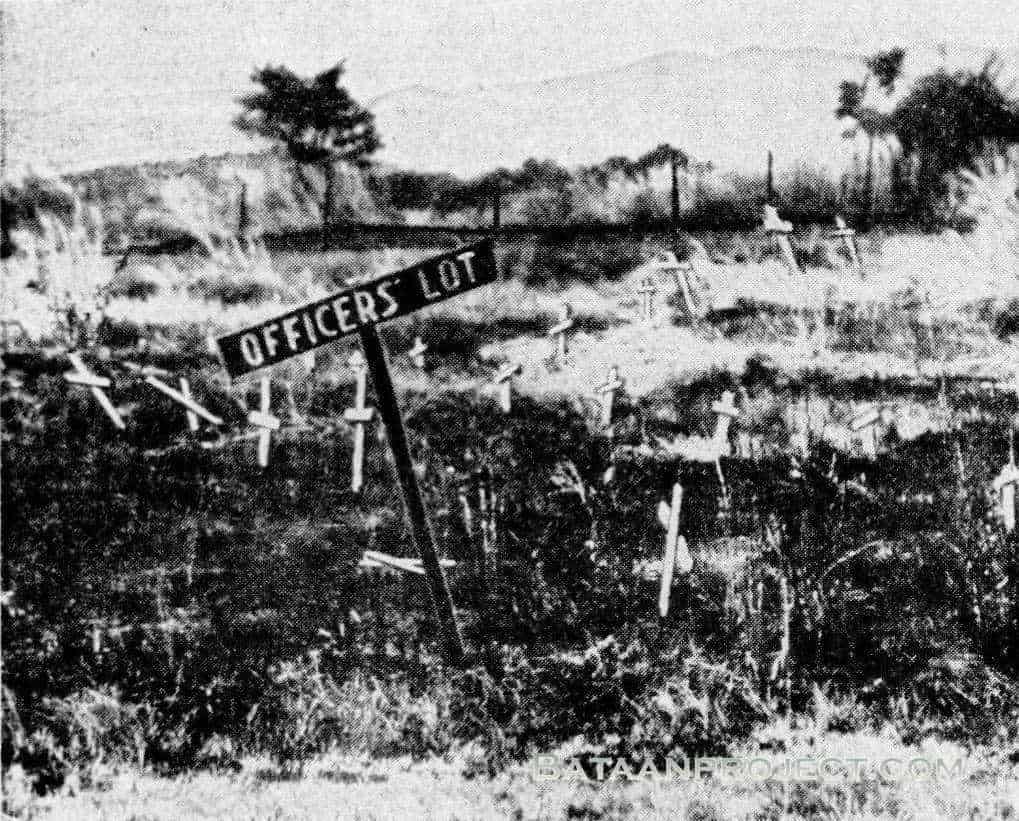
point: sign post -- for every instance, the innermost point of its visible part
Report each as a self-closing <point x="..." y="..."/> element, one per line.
<point x="358" y="310"/>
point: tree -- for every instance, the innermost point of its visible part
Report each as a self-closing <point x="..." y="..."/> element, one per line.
<point x="946" y="121"/>
<point x="885" y="67"/>
<point x="675" y="158"/>
<point x="315" y="119"/>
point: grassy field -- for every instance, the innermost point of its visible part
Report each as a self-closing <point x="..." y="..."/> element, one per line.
<point x="188" y="636"/>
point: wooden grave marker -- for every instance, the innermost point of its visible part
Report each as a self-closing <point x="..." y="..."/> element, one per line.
<point x="417" y="353"/>
<point x="560" y="330"/>
<point x="504" y="379"/>
<point x="359" y="309"/>
<point x="779" y="230"/>
<point x="81" y="375"/>
<point x="676" y="553"/>
<point x="647" y="292"/>
<point x="726" y="411"/>
<point x="264" y="421"/>
<point x="864" y="425"/>
<point x="359" y="416"/>
<point x="608" y="395"/>
<point x="183" y="397"/>
<point x="848" y="237"/>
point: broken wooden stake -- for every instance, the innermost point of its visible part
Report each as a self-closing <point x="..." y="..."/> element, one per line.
<point x="608" y="395"/>
<point x="265" y="421"/>
<point x="96" y="384"/>
<point x="359" y="416"/>
<point x="676" y="554"/>
<point x="417" y="353"/>
<point x="374" y="559"/>
<point x="559" y="331"/>
<point x="504" y="379"/>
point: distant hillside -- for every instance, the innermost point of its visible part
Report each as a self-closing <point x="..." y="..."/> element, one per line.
<point x="729" y="109"/>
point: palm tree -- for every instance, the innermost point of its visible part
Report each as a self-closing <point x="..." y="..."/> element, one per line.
<point x="886" y="68"/>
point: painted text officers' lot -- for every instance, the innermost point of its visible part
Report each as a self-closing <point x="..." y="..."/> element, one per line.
<point x="388" y="297"/>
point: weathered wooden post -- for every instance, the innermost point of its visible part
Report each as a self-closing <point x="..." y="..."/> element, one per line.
<point x="1004" y="486"/>
<point x="359" y="416"/>
<point x="559" y="331"/>
<point x="417" y="353"/>
<point x="647" y="292"/>
<point x="96" y="384"/>
<point x="608" y="395"/>
<point x="848" y="237"/>
<point x="504" y="379"/>
<point x="779" y="230"/>
<point x="185" y="391"/>
<point x="357" y="310"/>
<point x="676" y="553"/>
<point x="264" y="421"/>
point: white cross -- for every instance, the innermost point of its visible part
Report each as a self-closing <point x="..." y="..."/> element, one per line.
<point x="647" y="291"/>
<point x="676" y="554"/>
<point x="417" y="353"/>
<point x="865" y="426"/>
<point x="83" y="376"/>
<point x="183" y="397"/>
<point x="504" y="379"/>
<point x="560" y="328"/>
<point x="608" y="395"/>
<point x="847" y="235"/>
<point x="264" y="420"/>
<point x="726" y="411"/>
<point x="359" y="416"/>
<point x="1005" y="484"/>
<point x="780" y="230"/>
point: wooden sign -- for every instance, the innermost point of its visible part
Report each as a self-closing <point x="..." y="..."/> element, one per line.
<point x="365" y="305"/>
<point x="647" y="292"/>
<point x="417" y="353"/>
<point x="96" y="384"/>
<point x="358" y="310"/>
<point x="560" y="329"/>
<point x="265" y="421"/>
<point x="359" y="416"/>
<point x="676" y="553"/>
<point x="608" y="395"/>
<point x="504" y="379"/>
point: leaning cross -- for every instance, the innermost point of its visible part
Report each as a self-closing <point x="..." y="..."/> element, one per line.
<point x="183" y="397"/>
<point x="1005" y="484"/>
<point x="608" y="394"/>
<point x="865" y="426"/>
<point x="265" y="421"/>
<point x="677" y="554"/>
<point x="559" y="330"/>
<point x="83" y="376"/>
<point x="779" y="230"/>
<point x="357" y="309"/>
<point x="848" y="236"/>
<point x="417" y="353"/>
<point x="647" y="292"/>
<point x="504" y="379"/>
<point x="359" y="416"/>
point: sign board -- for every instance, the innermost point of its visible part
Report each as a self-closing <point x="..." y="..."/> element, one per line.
<point x="364" y="305"/>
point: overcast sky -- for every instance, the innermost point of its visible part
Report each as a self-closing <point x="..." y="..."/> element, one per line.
<point x="111" y="55"/>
